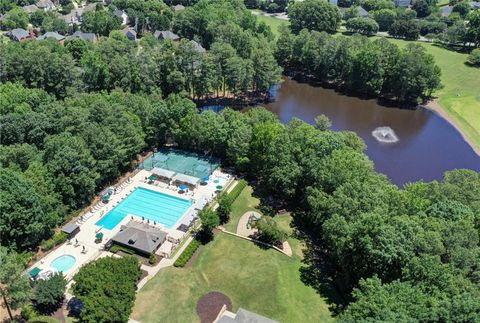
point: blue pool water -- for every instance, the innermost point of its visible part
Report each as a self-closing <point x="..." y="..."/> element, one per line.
<point x="151" y="205"/>
<point x="63" y="263"/>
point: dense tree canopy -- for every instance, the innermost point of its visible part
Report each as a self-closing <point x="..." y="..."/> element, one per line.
<point x="316" y="15"/>
<point x="110" y="282"/>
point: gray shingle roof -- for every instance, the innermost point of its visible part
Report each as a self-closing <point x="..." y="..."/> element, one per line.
<point x="140" y="236"/>
<point x="18" y="34"/>
<point x="244" y="316"/>
<point x="402" y="3"/>
<point x="446" y="11"/>
<point x="45" y="4"/>
<point x="178" y="7"/>
<point x="30" y="9"/>
<point x="82" y="35"/>
<point x="199" y="48"/>
<point x="52" y="34"/>
<point x="166" y="34"/>
<point x="362" y="12"/>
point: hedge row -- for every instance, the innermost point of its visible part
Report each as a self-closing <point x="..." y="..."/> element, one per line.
<point x="187" y="253"/>
<point x="116" y="248"/>
<point x="237" y="190"/>
<point x="58" y="238"/>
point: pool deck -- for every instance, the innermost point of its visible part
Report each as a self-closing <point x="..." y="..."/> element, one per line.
<point x="86" y="237"/>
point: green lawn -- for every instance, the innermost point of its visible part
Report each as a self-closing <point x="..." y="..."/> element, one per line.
<point x="264" y="281"/>
<point x="273" y="22"/>
<point x="245" y="202"/>
<point x="460" y="97"/>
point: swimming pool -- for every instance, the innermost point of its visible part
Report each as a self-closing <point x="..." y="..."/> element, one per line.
<point x="63" y="263"/>
<point x="151" y="205"/>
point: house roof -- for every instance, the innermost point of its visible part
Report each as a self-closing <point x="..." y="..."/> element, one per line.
<point x="131" y="32"/>
<point x="52" y="34"/>
<point x="362" y="12"/>
<point x="119" y="13"/>
<point x="475" y="5"/>
<point x="45" y="4"/>
<point x="199" y="48"/>
<point x="18" y="34"/>
<point x="30" y="8"/>
<point x="140" y="236"/>
<point x="446" y="11"/>
<point x="178" y="7"/>
<point x="166" y="34"/>
<point x="186" y="179"/>
<point x="82" y="35"/>
<point x="244" y="316"/>
<point x="402" y="3"/>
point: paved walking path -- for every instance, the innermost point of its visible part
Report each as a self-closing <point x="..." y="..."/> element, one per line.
<point x="243" y="227"/>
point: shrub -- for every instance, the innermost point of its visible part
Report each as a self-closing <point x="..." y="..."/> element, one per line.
<point x="474" y="58"/>
<point x="117" y="248"/>
<point x="209" y="219"/>
<point x="187" y="253"/>
<point x="153" y="259"/>
<point x="235" y="192"/>
<point x="58" y="238"/>
<point x="362" y="25"/>
<point x="28" y="312"/>
<point x="224" y="207"/>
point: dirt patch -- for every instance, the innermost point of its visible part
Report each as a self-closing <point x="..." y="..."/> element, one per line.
<point x="194" y="257"/>
<point x="209" y="305"/>
<point x="58" y="315"/>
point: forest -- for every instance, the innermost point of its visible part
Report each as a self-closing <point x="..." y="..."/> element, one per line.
<point x="74" y="118"/>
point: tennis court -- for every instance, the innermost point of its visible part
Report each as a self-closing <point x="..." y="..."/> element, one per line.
<point x="179" y="161"/>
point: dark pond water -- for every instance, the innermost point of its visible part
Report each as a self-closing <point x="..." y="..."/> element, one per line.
<point x="428" y="145"/>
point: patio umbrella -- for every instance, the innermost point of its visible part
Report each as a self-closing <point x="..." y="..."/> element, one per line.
<point x="34" y="272"/>
<point x="152" y="177"/>
<point x="219" y="187"/>
<point x="206" y="178"/>
<point x="99" y="236"/>
<point x="183" y="187"/>
<point x="106" y="198"/>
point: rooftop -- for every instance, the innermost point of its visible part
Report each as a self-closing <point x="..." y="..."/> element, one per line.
<point x="52" y="34"/>
<point x="166" y="34"/>
<point x="140" y="236"/>
<point x="244" y="316"/>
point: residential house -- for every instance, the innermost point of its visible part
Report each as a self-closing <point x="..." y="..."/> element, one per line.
<point x="46" y="5"/>
<point x="446" y="11"/>
<point x="362" y="12"/>
<point x="130" y="33"/>
<point x="144" y="238"/>
<point x="475" y="5"/>
<point x="242" y="316"/>
<point x="52" y="34"/>
<point x="402" y="3"/>
<point x="199" y="48"/>
<point x="19" y="34"/>
<point x="122" y="15"/>
<point x="84" y="36"/>
<point x="178" y="7"/>
<point x="30" y="9"/>
<point x="166" y="34"/>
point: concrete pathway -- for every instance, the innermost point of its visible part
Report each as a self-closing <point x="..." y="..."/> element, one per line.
<point x="243" y="227"/>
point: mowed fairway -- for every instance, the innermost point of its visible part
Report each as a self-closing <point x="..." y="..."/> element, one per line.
<point x="272" y="22"/>
<point x="263" y="281"/>
<point x="460" y="97"/>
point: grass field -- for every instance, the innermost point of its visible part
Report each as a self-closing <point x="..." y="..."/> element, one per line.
<point x="273" y="22"/>
<point x="263" y="281"/>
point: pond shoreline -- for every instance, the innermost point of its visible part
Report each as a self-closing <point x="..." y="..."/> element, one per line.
<point x="435" y="107"/>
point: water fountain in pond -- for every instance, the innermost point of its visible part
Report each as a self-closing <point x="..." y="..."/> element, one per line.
<point x="385" y="135"/>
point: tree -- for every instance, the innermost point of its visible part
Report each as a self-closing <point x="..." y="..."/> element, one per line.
<point x="384" y="18"/>
<point x="316" y="15"/>
<point x="14" y="285"/>
<point x="322" y="122"/>
<point x="463" y="8"/>
<point x="108" y="281"/>
<point x="473" y="26"/>
<point x="49" y="293"/>
<point x="407" y="29"/>
<point x="373" y="5"/>
<point x="224" y="207"/>
<point x="210" y="220"/>
<point x="16" y="18"/>
<point x="474" y="58"/>
<point x="52" y="23"/>
<point x="100" y="22"/>
<point x="23" y="222"/>
<point x="423" y="8"/>
<point x="268" y="230"/>
<point x="362" y="25"/>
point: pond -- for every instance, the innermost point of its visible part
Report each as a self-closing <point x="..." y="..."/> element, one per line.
<point x="418" y="144"/>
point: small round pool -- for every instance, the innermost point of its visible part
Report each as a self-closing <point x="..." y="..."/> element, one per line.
<point x="63" y="263"/>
